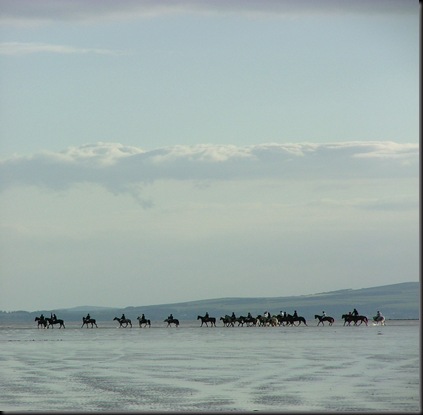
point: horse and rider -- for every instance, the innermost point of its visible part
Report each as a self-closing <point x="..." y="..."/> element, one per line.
<point x="379" y="318"/>
<point x="88" y="320"/>
<point x="171" y="320"/>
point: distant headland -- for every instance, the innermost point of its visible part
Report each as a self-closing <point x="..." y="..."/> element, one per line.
<point x="395" y="301"/>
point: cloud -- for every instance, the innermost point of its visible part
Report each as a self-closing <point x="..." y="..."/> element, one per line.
<point x="118" y="167"/>
<point x="25" y="48"/>
<point x="50" y="11"/>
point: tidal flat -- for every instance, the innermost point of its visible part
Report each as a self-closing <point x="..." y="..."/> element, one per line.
<point x="211" y="369"/>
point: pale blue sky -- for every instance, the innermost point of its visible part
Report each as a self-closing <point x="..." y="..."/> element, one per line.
<point x="212" y="77"/>
<point x="133" y="149"/>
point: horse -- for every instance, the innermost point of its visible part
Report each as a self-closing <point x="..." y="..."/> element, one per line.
<point x="51" y="322"/>
<point x="274" y="321"/>
<point x="241" y="320"/>
<point x="123" y="321"/>
<point x="251" y="321"/>
<point x="361" y="319"/>
<point x="87" y="321"/>
<point x="291" y="320"/>
<point x="41" y="322"/>
<point x="171" y="321"/>
<point x="205" y="320"/>
<point x="227" y="321"/>
<point x="261" y="320"/>
<point x="144" y="321"/>
<point x="348" y="318"/>
<point x="379" y="320"/>
<point x="322" y="319"/>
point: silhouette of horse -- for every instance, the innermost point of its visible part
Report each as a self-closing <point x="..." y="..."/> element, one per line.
<point x="241" y="320"/>
<point x="205" y="320"/>
<point x="86" y="321"/>
<point x="290" y="320"/>
<point x="228" y="321"/>
<point x="41" y="322"/>
<point x="123" y="321"/>
<point x="251" y="321"/>
<point x="349" y="318"/>
<point x="379" y="320"/>
<point x="144" y="321"/>
<point x="322" y="319"/>
<point x="51" y="322"/>
<point x="171" y="321"/>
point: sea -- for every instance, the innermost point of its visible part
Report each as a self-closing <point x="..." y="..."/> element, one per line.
<point x="211" y="369"/>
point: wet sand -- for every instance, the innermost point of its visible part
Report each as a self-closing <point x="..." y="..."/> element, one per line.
<point x="282" y="369"/>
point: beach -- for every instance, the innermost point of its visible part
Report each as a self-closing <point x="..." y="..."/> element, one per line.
<point x="191" y="368"/>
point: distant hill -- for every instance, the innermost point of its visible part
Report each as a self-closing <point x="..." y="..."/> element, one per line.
<point x="396" y="301"/>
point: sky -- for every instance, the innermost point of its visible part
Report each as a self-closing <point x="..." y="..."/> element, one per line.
<point x="156" y="152"/>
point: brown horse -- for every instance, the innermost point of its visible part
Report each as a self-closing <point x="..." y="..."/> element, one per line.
<point x="86" y="321"/>
<point x="125" y="321"/>
<point x="349" y="318"/>
<point x="322" y="319"/>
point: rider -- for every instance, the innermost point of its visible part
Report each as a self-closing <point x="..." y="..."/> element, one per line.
<point x="323" y="314"/>
<point x="170" y="317"/>
<point x="249" y="315"/>
<point x="355" y="312"/>
<point x="123" y="317"/>
<point x="295" y="314"/>
<point x="143" y="317"/>
<point x="233" y="315"/>
<point x="88" y="317"/>
<point x="207" y="315"/>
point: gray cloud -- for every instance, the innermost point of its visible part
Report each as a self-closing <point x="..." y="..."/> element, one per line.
<point x="29" y="11"/>
<point x="118" y="167"/>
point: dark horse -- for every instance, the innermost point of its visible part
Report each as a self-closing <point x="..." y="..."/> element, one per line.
<point x="349" y="318"/>
<point x="322" y="319"/>
<point x="41" y="322"/>
<point x="228" y="321"/>
<point x="51" y="322"/>
<point x="205" y="320"/>
<point x="88" y="321"/>
<point x="144" y="321"/>
<point x="123" y="321"/>
<point x="171" y="321"/>
<point x="291" y="320"/>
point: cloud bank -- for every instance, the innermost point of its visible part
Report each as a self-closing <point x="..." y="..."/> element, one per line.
<point x="117" y="167"/>
<point x="50" y="11"/>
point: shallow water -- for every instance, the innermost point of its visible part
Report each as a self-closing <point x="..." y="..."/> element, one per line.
<point x="283" y="369"/>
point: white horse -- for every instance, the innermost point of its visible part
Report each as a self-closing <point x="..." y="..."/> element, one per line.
<point x="379" y="320"/>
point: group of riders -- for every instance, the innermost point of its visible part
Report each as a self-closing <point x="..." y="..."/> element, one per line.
<point x="46" y="322"/>
<point x="283" y="318"/>
<point x="261" y="320"/>
<point x="355" y="317"/>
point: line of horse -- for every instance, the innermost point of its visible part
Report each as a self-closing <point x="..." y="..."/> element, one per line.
<point x="47" y="322"/>
<point x="228" y="321"/>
